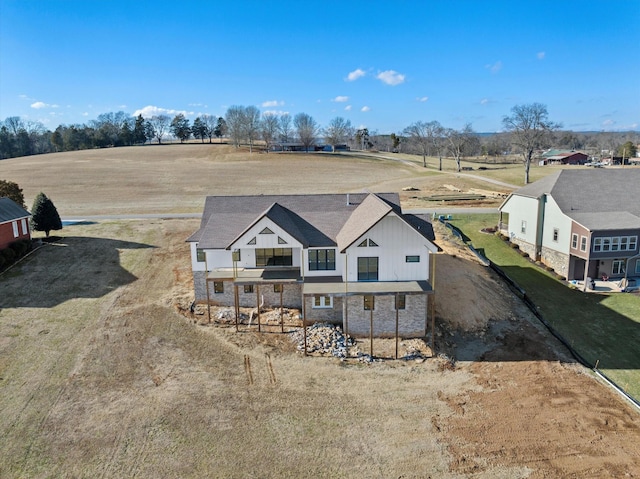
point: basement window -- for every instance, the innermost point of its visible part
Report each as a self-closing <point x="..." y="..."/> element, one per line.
<point x="320" y="301"/>
<point x="277" y="288"/>
<point x="248" y="288"/>
<point x="218" y="287"/>
<point x="369" y="303"/>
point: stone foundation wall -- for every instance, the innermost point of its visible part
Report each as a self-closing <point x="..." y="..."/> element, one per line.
<point x="411" y="321"/>
<point x="329" y="315"/>
<point x="526" y="247"/>
<point x="558" y="261"/>
<point x="291" y="294"/>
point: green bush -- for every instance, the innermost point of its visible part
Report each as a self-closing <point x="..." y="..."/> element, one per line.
<point x="9" y="255"/>
<point x="524" y="254"/>
<point x="1" y="260"/>
<point x="515" y="246"/>
<point x="21" y="247"/>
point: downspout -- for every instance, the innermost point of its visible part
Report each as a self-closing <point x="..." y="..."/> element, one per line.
<point x="540" y="226"/>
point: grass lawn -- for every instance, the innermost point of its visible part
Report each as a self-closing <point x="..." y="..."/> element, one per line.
<point x="603" y="328"/>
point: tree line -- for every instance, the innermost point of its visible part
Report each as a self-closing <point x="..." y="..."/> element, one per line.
<point x="526" y="130"/>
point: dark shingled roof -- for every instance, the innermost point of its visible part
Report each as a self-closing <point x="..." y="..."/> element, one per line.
<point x="10" y="210"/>
<point x="598" y="199"/>
<point x="314" y="220"/>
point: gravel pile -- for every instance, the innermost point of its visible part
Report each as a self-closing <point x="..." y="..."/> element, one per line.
<point x="324" y="339"/>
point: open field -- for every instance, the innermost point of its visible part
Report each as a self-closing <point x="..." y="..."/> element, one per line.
<point x="176" y="178"/>
<point x="100" y="376"/>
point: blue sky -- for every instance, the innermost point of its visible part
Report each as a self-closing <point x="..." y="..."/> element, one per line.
<point x="381" y="64"/>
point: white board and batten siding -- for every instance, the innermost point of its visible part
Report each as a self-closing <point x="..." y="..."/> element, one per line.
<point x="396" y="240"/>
<point x="555" y="219"/>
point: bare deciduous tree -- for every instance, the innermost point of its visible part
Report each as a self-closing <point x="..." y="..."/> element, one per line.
<point x="530" y="130"/>
<point x="307" y="129"/>
<point x="234" y="121"/>
<point x="269" y="128"/>
<point x="460" y="143"/>
<point x="337" y="132"/>
<point x="426" y="137"/>
<point x="285" y="128"/>
<point x="159" y="125"/>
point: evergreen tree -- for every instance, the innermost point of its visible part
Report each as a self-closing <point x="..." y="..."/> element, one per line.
<point x="44" y="215"/>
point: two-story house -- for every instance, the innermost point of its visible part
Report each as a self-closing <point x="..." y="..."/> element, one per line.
<point x="350" y="259"/>
<point x="583" y="223"/>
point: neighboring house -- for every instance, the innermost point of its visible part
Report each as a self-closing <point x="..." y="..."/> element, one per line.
<point x="14" y="222"/>
<point x="565" y="158"/>
<point x="582" y="223"/>
<point x="349" y="259"/>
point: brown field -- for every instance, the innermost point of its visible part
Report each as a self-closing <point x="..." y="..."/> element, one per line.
<point x="176" y="178"/>
<point x="103" y="375"/>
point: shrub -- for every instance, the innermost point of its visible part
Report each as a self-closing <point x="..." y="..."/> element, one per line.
<point x="9" y="255"/>
<point x="515" y="246"/>
<point x="549" y="268"/>
<point x="524" y="254"/>
<point x="21" y="247"/>
<point x="1" y="260"/>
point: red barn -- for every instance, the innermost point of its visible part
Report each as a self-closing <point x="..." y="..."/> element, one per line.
<point x="14" y="222"/>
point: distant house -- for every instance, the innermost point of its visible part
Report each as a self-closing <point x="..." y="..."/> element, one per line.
<point x="14" y="222"/>
<point x="351" y="259"/>
<point x="583" y="223"/>
<point x="565" y="158"/>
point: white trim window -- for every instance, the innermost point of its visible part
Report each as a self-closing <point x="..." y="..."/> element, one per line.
<point x="638" y="266"/>
<point x="25" y="230"/>
<point x="574" y="241"/>
<point x="583" y="243"/>
<point x="15" y="229"/>
<point x="597" y="244"/>
<point x="618" y="266"/>
<point x="523" y="227"/>
<point x="322" y="302"/>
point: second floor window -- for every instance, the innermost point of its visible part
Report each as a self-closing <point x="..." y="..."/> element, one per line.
<point x="368" y="269"/>
<point x="274" y="257"/>
<point x="322" y="259"/>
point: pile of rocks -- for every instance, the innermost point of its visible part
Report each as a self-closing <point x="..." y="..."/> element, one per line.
<point x="326" y="340"/>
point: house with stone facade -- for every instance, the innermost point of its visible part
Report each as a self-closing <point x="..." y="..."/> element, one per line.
<point x="582" y="223"/>
<point x="354" y="260"/>
<point x="14" y="222"/>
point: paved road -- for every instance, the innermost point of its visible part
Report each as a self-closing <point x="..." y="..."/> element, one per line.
<point x="454" y="173"/>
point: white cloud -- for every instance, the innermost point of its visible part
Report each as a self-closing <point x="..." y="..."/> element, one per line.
<point x="275" y="112"/>
<point x="608" y="122"/>
<point x="40" y="104"/>
<point x="150" y="110"/>
<point x="365" y="108"/>
<point x="485" y="101"/>
<point x="422" y="99"/>
<point x="541" y="55"/>
<point x="495" y="68"/>
<point x="271" y="103"/>
<point x="86" y="113"/>
<point x="341" y="99"/>
<point x="355" y="74"/>
<point x="391" y="77"/>
<point x="347" y="108"/>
